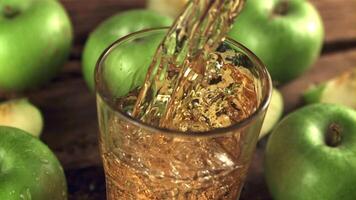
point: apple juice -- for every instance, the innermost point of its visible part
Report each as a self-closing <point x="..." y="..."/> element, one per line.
<point x="181" y="59"/>
<point x="145" y="165"/>
<point x="194" y="84"/>
<point x="225" y="95"/>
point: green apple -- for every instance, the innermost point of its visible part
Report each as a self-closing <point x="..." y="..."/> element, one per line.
<point x="273" y="114"/>
<point x="126" y="67"/>
<point x="35" y="39"/>
<point x="339" y="90"/>
<point x="311" y="154"/>
<point x="28" y="168"/>
<point x="20" y="113"/>
<point x="286" y="35"/>
<point x="114" y="28"/>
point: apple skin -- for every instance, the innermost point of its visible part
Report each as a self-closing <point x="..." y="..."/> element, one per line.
<point x="29" y="170"/>
<point x="114" y="28"/>
<point x="273" y="114"/>
<point x="126" y="67"/>
<point x="288" y="43"/>
<point x="338" y="90"/>
<point x="301" y="165"/>
<point x="170" y="8"/>
<point x="35" y="40"/>
<point x="20" y="113"/>
<point x="314" y="93"/>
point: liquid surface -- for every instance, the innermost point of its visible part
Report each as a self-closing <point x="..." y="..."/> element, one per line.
<point x="225" y="95"/>
<point x="181" y="60"/>
<point x="190" y="86"/>
<point x="145" y="165"/>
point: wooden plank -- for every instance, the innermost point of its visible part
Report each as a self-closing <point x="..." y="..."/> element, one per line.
<point x="70" y="118"/>
<point x="255" y="187"/>
<point x="339" y="19"/>
<point x="86" y="183"/>
<point x="87" y="14"/>
<point x="338" y="16"/>
<point x="70" y="112"/>
<point x="325" y="68"/>
<point x="71" y="125"/>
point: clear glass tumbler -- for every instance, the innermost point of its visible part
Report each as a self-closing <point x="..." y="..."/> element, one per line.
<point x="146" y="162"/>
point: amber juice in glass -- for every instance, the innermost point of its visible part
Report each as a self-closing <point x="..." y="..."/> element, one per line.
<point x="199" y="158"/>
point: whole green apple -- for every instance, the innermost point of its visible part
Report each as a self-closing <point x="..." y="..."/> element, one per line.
<point x="311" y="154"/>
<point x="20" y="113"/>
<point x="35" y="39"/>
<point x="28" y="169"/>
<point x="286" y="35"/>
<point x="114" y="28"/>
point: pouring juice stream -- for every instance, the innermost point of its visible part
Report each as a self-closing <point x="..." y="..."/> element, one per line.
<point x="181" y="59"/>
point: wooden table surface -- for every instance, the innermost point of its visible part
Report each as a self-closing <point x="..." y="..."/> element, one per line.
<point x="70" y="112"/>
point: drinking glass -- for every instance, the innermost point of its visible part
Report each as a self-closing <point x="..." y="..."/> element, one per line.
<point x="146" y="162"/>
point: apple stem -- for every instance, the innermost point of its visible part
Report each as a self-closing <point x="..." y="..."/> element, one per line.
<point x="281" y="8"/>
<point x="333" y="135"/>
<point x="10" y="12"/>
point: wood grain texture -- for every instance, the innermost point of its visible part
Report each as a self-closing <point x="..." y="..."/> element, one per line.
<point x="87" y="14"/>
<point x="326" y="67"/>
<point x="70" y="119"/>
<point x="71" y="125"/>
<point x="70" y="112"/>
<point x="338" y="16"/>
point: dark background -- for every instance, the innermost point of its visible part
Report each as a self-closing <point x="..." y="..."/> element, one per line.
<point x="70" y="112"/>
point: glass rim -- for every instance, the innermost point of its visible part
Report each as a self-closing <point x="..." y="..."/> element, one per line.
<point x="213" y="132"/>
